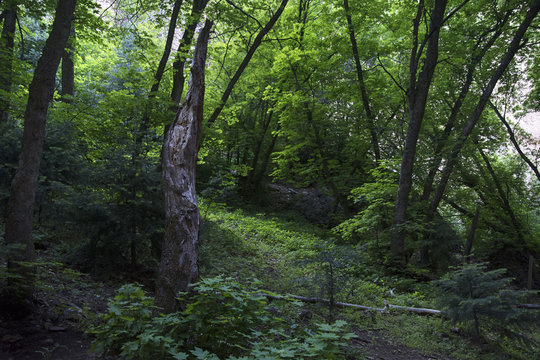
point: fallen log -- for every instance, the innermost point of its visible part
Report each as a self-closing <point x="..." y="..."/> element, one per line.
<point x="387" y="307"/>
<point x="529" y="306"/>
<point x="421" y="311"/>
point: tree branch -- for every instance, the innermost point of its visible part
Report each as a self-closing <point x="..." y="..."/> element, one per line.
<point x="246" y="61"/>
<point x="243" y="12"/>
<point x="514" y="141"/>
<point x="391" y="76"/>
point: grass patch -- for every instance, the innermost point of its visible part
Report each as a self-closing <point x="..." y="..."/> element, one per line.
<point x="279" y="251"/>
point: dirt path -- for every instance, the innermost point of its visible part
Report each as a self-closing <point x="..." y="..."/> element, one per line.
<point x="62" y="306"/>
<point x="375" y="346"/>
<point x="31" y="340"/>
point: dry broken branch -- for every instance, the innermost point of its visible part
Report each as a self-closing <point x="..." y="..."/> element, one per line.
<point x="387" y="307"/>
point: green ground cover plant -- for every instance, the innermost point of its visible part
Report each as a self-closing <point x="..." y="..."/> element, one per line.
<point x="222" y="319"/>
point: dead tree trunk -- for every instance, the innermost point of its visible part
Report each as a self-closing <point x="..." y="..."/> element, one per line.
<point x="20" y="208"/>
<point x="179" y="264"/>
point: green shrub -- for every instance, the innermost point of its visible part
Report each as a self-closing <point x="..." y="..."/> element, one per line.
<point x="471" y="294"/>
<point x="222" y="319"/>
<point x="128" y="315"/>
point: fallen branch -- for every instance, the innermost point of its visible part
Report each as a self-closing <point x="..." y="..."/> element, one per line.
<point x="387" y="307"/>
<point x="421" y="311"/>
<point x="529" y="306"/>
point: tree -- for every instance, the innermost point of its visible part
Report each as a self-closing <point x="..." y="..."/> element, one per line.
<point x="417" y="93"/>
<point x="68" y="70"/>
<point x="362" y="84"/>
<point x="246" y="60"/>
<point x="514" y="141"/>
<point x="178" y="85"/>
<point x="471" y="293"/>
<point x="452" y="158"/>
<point x="6" y="55"/>
<point x="183" y="50"/>
<point x="179" y="260"/>
<point x="18" y="233"/>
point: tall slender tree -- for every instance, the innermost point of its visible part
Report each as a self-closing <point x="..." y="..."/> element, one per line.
<point x="417" y="92"/>
<point x="183" y="50"/>
<point x="68" y="70"/>
<point x="363" y="90"/>
<point x="453" y="157"/>
<point x="245" y="62"/>
<point x="6" y="59"/>
<point x="18" y="233"/>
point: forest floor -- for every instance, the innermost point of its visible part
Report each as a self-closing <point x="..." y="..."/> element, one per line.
<point x="64" y="307"/>
<point x="51" y="334"/>
<point x="282" y="253"/>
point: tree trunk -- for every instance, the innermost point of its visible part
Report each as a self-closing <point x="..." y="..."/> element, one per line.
<point x="470" y="236"/>
<point x="6" y="57"/>
<point x="530" y="272"/>
<point x="68" y="71"/>
<point x="183" y="51"/>
<point x="248" y="188"/>
<point x="456" y="108"/>
<point x="245" y="62"/>
<point x="363" y="91"/>
<point x="167" y="50"/>
<point x="514" y="141"/>
<point x="18" y="233"/>
<point x="157" y="79"/>
<point x="141" y="132"/>
<point x="179" y="264"/>
<point x="266" y="159"/>
<point x="484" y="98"/>
<point x="417" y="93"/>
<point x="516" y="224"/>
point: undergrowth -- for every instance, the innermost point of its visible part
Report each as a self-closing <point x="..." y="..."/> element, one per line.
<point x="287" y="257"/>
<point x="291" y="256"/>
<point x="222" y="320"/>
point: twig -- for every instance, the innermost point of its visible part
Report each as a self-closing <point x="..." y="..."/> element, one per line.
<point x="391" y="76"/>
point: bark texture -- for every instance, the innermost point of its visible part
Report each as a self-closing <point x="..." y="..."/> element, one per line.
<point x="179" y="260"/>
<point x="18" y="233"/>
